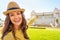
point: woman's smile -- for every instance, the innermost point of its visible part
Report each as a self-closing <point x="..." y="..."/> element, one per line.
<point x="17" y="21"/>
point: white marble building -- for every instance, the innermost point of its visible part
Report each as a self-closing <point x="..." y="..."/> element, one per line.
<point x="47" y="18"/>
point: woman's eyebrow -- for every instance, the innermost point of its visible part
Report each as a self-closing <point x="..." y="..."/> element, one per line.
<point x="11" y="14"/>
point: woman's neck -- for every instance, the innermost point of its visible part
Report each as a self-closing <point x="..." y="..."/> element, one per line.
<point x="16" y="27"/>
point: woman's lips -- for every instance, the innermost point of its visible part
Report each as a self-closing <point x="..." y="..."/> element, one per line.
<point x="16" y="20"/>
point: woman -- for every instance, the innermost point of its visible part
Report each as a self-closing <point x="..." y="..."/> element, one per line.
<point x="15" y="24"/>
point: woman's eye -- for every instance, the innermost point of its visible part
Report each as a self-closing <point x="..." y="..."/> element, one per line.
<point x="18" y="13"/>
<point x="11" y="15"/>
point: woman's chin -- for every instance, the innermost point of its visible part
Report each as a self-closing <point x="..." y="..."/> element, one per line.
<point x="17" y="24"/>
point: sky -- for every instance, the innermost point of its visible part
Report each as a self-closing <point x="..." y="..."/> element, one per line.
<point x="30" y="5"/>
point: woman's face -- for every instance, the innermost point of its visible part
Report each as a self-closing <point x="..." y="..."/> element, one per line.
<point x="16" y="18"/>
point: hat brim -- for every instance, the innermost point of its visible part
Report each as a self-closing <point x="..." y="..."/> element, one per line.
<point x="6" y="12"/>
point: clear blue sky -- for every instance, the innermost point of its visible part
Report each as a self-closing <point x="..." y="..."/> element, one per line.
<point x="29" y="5"/>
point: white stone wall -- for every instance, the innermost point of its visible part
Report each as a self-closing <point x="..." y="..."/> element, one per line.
<point x="47" y="17"/>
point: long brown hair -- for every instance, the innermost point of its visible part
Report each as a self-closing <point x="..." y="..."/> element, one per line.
<point x="8" y="27"/>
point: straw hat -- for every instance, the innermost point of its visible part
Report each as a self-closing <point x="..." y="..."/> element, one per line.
<point x="13" y="6"/>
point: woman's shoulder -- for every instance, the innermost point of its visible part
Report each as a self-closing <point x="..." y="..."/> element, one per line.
<point x="9" y="36"/>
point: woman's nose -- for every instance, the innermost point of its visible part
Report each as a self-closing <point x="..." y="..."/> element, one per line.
<point x="15" y="16"/>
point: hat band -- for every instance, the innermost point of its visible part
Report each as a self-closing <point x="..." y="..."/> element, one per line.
<point x="13" y="8"/>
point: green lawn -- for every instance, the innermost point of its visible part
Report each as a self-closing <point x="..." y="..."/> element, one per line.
<point x="44" y="34"/>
